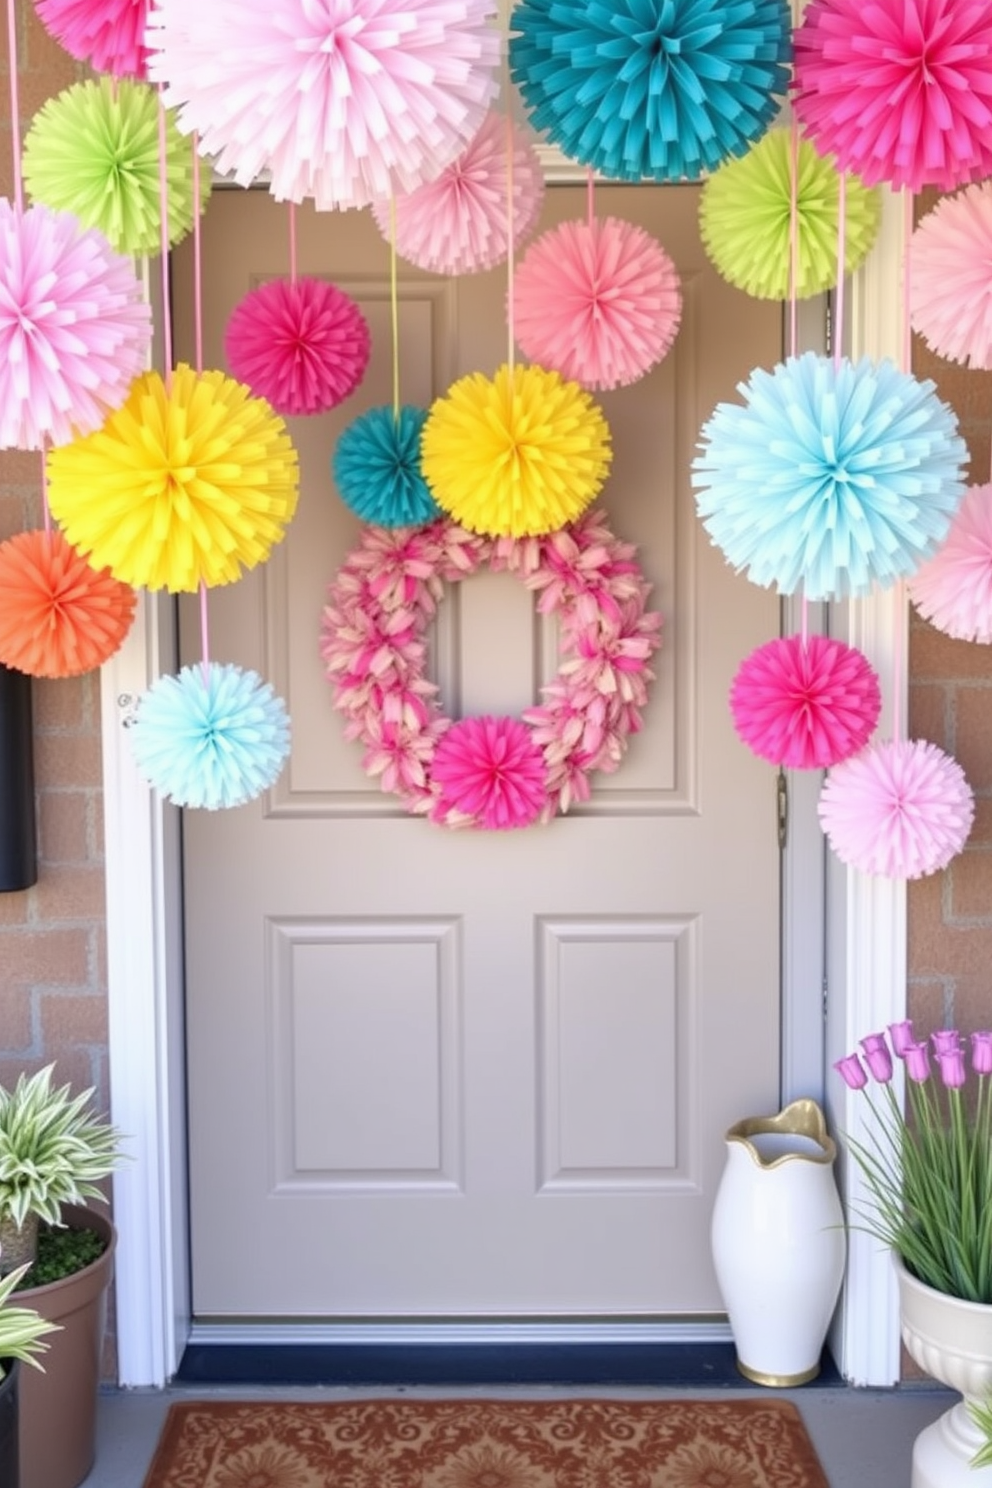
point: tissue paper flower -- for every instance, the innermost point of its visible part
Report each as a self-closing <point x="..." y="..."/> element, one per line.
<point x="490" y="773"/>
<point x="899" y="810"/>
<point x="456" y="224"/>
<point x="214" y="736"/>
<point x="521" y="454"/>
<point x="303" y="345"/>
<point x="599" y="302"/>
<point x="343" y="101"/>
<point x="93" y="150"/>
<point x="805" y="704"/>
<point x="108" y="34"/>
<point x="651" y="89"/>
<point x="898" y="90"/>
<point x="376" y="468"/>
<point x="953" y="590"/>
<point x="745" y="217"/>
<point x="833" y="478"/>
<point x="58" y="616"/>
<point x="186" y="484"/>
<point x="950" y="277"/>
<point x="74" y="328"/>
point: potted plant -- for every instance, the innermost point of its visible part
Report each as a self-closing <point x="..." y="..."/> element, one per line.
<point x="927" y="1167"/>
<point x="53" y="1153"/>
<point x="21" y="1333"/>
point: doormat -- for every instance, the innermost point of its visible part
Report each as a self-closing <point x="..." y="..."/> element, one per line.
<point x="485" y="1444"/>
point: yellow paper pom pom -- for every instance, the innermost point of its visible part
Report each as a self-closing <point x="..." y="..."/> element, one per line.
<point x="516" y="456"/>
<point x="183" y="485"/>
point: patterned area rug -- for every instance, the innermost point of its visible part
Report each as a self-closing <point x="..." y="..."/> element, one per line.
<point x="471" y="1443"/>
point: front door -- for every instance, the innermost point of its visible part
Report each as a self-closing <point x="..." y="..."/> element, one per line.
<point x="452" y="1074"/>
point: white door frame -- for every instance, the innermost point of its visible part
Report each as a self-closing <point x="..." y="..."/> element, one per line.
<point x="865" y="927"/>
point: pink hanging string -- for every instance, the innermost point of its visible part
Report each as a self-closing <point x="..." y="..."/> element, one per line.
<point x="163" y="212"/>
<point x="197" y="260"/>
<point x="590" y="197"/>
<point x="898" y="658"/>
<point x="793" y="313"/>
<point x="292" y="242"/>
<point x="511" y="267"/>
<point x="15" y="105"/>
<point x="841" y="269"/>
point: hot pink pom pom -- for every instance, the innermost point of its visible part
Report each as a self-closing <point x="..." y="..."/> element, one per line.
<point x="898" y="90"/>
<point x="491" y="774"/>
<point x="805" y="704"/>
<point x="599" y="302"/>
<point x="303" y="346"/>
<point x="950" y="277"/>
<point x="899" y="810"/>
<point x="109" y="34"/>
<point x="954" y="589"/>
<point x="457" y="224"/>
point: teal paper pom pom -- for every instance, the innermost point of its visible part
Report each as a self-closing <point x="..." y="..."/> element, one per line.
<point x="659" y="90"/>
<point x="212" y="736"/>
<point x="835" y="478"/>
<point x="376" y="468"/>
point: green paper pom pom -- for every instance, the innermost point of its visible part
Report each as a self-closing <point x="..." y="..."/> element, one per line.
<point x="94" y="151"/>
<point x="744" y="218"/>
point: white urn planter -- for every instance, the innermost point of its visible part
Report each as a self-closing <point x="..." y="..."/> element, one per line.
<point x="950" y="1339"/>
<point x="779" y="1243"/>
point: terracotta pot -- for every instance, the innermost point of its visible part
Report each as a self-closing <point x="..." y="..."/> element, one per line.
<point x="57" y="1417"/>
<point x="8" y="1422"/>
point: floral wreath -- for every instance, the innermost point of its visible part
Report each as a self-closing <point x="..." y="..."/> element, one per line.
<point x="490" y="772"/>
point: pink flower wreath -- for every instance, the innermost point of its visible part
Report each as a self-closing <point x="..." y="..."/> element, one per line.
<point x="490" y="772"/>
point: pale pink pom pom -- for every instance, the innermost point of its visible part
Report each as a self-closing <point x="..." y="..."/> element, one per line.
<point x="108" y="34"/>
<point x="954" y="589"/>
<point x="303" y="345"/>
<point x="899" y="810"/>
<point x="490" y="773"/>
<point x="599" y="302"/>
<point x="950" y="277"/>
<point x="805" y="704"/>
<point x="456" y="224"/>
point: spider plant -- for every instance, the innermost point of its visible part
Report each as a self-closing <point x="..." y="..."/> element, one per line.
<point x="21" y="1328"/>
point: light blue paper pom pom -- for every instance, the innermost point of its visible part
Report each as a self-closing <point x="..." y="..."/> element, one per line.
<point x="658" y="90"/>
<point x="833" y="478"/>
<point x="376" y="468"/>
<point x="212" y="736"/>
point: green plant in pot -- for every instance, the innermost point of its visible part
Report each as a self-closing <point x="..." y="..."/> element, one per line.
<point x="22" y="1333"/>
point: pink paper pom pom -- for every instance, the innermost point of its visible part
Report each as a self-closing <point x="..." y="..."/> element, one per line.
<point x="302" y="346"/>
<point x="899" y="810"/>
<point x="950" y="277"/>
<point x="954" y="589"/>
<point x="898" y="90"/>
<point x="490" y="773"/>
<point x="108" y="34"/>
<point x="456" y="224"/>
<point x="600" y="302"/>
<point x="805" y="704"/>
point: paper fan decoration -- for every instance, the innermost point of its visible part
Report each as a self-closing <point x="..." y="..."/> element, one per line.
<point x="376" y="468"/>
<point x="214" y="736"/>
<point x="108" y="34"/>
<point x="745" y="217"/>
<point x="950" y="277"/>
<point x="456" y="224"/>
<point x="651" y="89"/>
<point x="954" y="589"/>
<point x="93" y="150"/>
<point x="490" y="771"/>
<point x="74" y="328"/>
<point x="518" y="455"/>
<point x="186" y="484"/>
<point x="343" y="101"/>
<point x="58" y="616"/>
<point x="898" y="810"/>
<point x="830" y="477"/>
<point x="304" y="345"/>
<point x="898" y="91"/>
<point x="805" y="704"/>
<point x="600" y="302"/>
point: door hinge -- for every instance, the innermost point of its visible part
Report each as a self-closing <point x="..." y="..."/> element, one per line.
<point x="782" y="808"/>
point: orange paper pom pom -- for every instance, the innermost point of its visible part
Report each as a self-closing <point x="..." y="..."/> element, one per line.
<point x="58" y="616"/>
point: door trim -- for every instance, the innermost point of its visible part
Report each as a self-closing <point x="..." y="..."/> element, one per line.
<point x="864" y="920"/>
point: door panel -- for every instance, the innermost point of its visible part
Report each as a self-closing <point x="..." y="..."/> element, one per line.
<point x="468" y="1074"/>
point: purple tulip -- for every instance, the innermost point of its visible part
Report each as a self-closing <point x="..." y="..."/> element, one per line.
<point x="981" y="1053"/>
<point x="902" y="1036"/>
<point x="946" y="1041"/>
<point x="952" y="1070"/>
<point x="852" y="1072"/>
<point x="877" y="1057"/>
<point x="917" y="1057"/>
